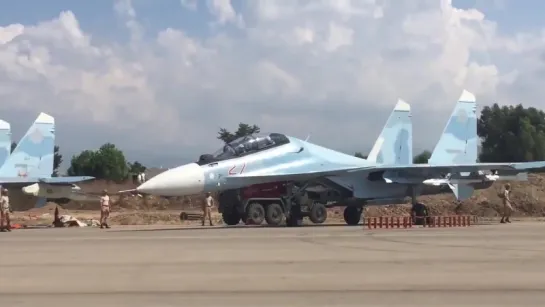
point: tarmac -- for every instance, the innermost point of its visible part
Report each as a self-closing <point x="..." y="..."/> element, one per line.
<point x="491" y="265"/>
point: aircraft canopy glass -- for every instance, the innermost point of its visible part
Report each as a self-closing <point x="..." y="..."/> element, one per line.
<point x="250" y="144"/>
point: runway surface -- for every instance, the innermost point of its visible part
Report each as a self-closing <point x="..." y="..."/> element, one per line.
<point x="495" y="265"/>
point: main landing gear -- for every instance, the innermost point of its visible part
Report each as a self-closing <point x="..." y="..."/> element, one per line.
<point x="419" y="212"/>
<point x="352" y="215"/>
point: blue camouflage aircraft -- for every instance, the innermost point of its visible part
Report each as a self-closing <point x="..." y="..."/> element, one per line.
<point x="386" y="176"/>
<point x="30" y="165"/>
<point x="5" y="141"/>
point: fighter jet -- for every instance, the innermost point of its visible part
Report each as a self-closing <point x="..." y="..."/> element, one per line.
<point x="5" y="141"/>
<point x="30" y="166"/>
<point x="387" y="174"/>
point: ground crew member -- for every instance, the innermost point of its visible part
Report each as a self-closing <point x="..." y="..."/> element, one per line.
<point x="207" y="208"/>
<point x="104" y="209"/>
<point x="507" y="207"/>
<point x="5" y="223"/>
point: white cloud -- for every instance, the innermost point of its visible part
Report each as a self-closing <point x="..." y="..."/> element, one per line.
<point x="189" y="4"/>
<point x="224" y="12"/>
<point x="328" y="67"/>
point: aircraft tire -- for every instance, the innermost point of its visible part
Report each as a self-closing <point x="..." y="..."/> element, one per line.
<point x="318" y="213"/>
<point x="255" y="214"/>
<point x="352" y="215"/>
<point x="230" y="218"/>
<point x="275" y="214"/>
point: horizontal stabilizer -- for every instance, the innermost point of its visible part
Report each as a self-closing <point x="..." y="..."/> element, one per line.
<point x="66" y="180"/>
<point x="52" y="180"/>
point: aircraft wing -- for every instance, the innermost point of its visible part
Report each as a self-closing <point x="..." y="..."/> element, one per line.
<point x="17" y="181"/>
<point x="419" y="171"/>
<point x="433" y="169"/>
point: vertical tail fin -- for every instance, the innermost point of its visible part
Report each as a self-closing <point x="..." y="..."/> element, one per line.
<point x="33" y="156"/>
<point x="5" y="141"/>
<point x="395" y="143"/>
<point x="458" y="143"/>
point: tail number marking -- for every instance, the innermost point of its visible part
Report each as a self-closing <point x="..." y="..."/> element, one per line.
<point x="236" y="169"/>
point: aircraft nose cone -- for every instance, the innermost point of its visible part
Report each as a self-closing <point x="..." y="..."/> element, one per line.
<point x="180" y="181"/>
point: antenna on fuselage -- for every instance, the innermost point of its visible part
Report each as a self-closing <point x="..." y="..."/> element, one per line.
<point x="308" y="138"/>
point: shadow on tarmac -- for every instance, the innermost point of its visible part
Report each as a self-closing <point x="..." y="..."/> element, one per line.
<point x="239" y="226"/>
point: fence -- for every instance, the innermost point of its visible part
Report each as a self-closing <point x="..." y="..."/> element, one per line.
<point x="430" y="221"/>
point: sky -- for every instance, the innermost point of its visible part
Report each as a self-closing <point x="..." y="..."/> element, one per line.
<point x="160" y="78"/>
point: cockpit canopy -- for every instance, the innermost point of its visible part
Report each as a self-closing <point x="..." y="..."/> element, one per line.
<point x="246" y="145"/>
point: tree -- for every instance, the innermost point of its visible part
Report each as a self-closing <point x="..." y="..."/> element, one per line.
<point x="360" y="155"/>
<point x="136" y="167"/>
<point x="107" y="163"/>
<point x="83" y="164"/>
<point x="422" y="158"/>
<point x="57" y="158"/>
<point x="243" y="130"/>
<point x="511" y="134"/>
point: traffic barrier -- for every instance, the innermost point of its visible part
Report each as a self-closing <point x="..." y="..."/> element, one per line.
<point x="389" y="222"/>
<point x="430" y="221"/>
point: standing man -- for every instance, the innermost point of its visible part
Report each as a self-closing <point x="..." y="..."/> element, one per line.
<point x="207" y="208"/>
<point x="104" y="209"/>
<point x="5" y="223"/>
<point x="507" y="208"/>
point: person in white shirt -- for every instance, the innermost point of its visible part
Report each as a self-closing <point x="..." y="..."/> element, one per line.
<point x="207" y="208"/>
<point x="104" y="209"/>
<point x="5" y="223"/>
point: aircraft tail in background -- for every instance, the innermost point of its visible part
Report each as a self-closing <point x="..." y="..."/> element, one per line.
<point x="33" y="156"/>
<point x="458" y="142"/>
<point x="5" y="141"/>
<point x="395" y="143"/>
